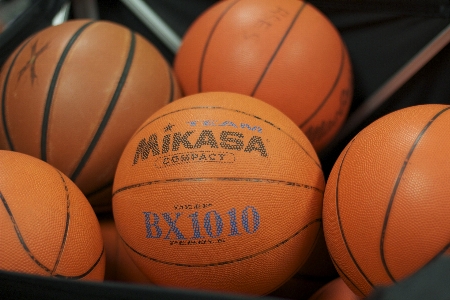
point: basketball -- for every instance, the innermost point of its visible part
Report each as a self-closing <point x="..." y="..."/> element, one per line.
<point x="386" y="205"/>
<point x="334" y="290"/>
<point x="47" y="225"/>
<point x="284" y="52"/>
<point x="73" y="94"/>
<point x="219" y="191"/>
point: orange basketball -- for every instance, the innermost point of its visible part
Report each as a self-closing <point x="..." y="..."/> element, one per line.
<point x="47" y="225"/>
<point x="386" y="202"/>
<point x="334" y="290"/>
<point x="73" y="94"/>
<point x="284" y="52"/>
<point x="219" y="191"/>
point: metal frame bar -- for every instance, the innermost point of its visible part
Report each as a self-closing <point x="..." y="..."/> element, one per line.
<point x="63" y="15"/>
<point x="394" y="83"/>
<point x="151" y="19"/>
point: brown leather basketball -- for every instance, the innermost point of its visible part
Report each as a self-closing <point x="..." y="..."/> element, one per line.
<point x="284" y="52"/>
<point x="219" y="191"/>
<point x="73" y="94"/>
<point x="47" y="226"/>
<point x="386" y="203"/>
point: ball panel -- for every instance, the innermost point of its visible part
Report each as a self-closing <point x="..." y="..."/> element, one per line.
<point x="256" y="39"/>
<point x="64" y="150"/>
<point x="50" y="227"/>
<point x="142" y="94"/>
<point x="261" y="38"/>
<point x="250" y="109"/>
<point x="395" y="186"/>
<point x="277" y="269"/>
<point x="340" y="253"/>
<point x="5" y="73"/>
<point x="22" y="261"/>
<point x="190" y="178"/>
<point x="251" y="151"/>
<point x="350" y="284"/>
<point x="83" y="230"/>
<point x="385" y="165"/>
<point x="284" y="87"/>
<point x="193" y="47"/>
<point x="325" y="122"/>
<point x="31" y="75"/>
<point x="43" y="245"/>
<point x="238" y="216"/>
<point x="418" y="185"/>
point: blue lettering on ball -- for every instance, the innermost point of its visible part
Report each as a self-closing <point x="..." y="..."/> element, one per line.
<point x="172" y="224"/>
<point x="208" y="227"/>
<point x="149" y="225"/>
<point x="245" y="221"/>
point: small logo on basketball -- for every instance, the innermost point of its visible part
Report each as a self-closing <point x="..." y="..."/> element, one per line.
<point x="177" y="147"/>
<point x="317" y="132"/>
<point x="195" y="157"/>
<point x="226" y="123"/>
<point x="31" y="63"/>
<point x="265" y="22"/>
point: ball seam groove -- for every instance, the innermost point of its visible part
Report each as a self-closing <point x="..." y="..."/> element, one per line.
<point x="5" y="84"/>
<point x="109" y="110"/>
<point x="205" y="49"/>
<point x="395" y="188"/>
<point x="319" y="220"/>
<point x="51" y="90"/>
<point x="341" y="229"/>
<point x="283" y="38"/>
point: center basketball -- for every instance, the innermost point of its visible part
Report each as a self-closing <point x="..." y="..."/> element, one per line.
<point x="219" y="191"/>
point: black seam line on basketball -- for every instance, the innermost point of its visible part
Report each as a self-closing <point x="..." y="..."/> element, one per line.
<point x="85" y="273"/>
<point x="438" y="254"/>
<point x="443" y="250"/>
<point x="27" y="250"/>
<point x="66" y="227"/>
<point x="19" y="235"/>
<point x="5" y="85"/>
<point x="109" y="110"/>
<point x="335" y="83"/>
<point x="278" y="48"/>
<point x="51" y="90"/>
<point x="172" y="84"/>
<point x="227" y="262"/>
<point x="311" y="250"/>
<point x="345" y="275"/>
<point x="202" y="60"/>
<point x="317" y="163"/>
<point x="396" y="185"/>
<point x="224" y="179"/>
<point x="341" y="229"/>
